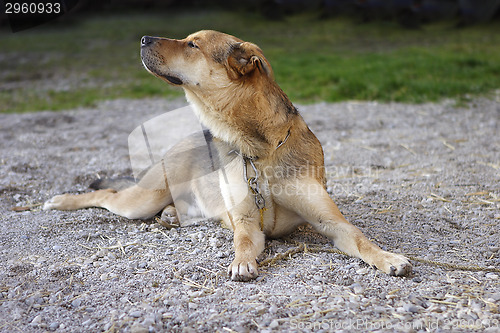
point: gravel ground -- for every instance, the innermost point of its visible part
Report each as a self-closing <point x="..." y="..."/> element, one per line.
<point x="417" y="179"/>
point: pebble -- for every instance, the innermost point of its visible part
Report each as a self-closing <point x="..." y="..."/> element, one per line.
<point x="363" y="271"/>
<point x="36" y="321"/>
<point x="357" y="288"/>
<point x="491" y="276"/>
<point x="319" y="278"/>
<point x="87" y="322"/>
<point x="54" y="326"/>
<point x="135" y="314"/>
<point x="149" y="320"/>
<point x="221" y="254"/>
<point x="76" y="303"/>
<point x="56" y="247"/>
<point x="274" y="324"/>
<point x="494" y="248"/>
<point x="411" y="308"/>
<point x="138" y="328"/>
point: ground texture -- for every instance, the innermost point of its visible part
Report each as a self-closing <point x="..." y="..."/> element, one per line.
<point x="423" y="180"/>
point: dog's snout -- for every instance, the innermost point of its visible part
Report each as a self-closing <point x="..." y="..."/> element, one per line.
<point x="146" y="40"/>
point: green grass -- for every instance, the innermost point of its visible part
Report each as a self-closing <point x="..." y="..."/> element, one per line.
<point x="72" y="64"/>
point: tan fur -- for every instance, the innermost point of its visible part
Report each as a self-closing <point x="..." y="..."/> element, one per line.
<point x="230" y="84"/>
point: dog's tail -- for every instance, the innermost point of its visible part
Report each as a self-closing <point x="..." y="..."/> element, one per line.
<point x="116" y="184"/>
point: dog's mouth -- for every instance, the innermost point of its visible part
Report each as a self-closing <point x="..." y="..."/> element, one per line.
<point x="150" y="66"/>
<point x="173" y="79"/>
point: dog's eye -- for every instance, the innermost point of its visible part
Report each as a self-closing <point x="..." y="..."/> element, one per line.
<point x="192" y="45"/>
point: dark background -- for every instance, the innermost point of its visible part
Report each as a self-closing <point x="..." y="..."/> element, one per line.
<point x="408" y="13"/>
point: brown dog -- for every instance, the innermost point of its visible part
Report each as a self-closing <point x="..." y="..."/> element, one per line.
<point x="266" y="148"/>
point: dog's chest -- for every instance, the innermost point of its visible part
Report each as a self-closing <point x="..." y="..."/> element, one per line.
<point x="221" y="127"/>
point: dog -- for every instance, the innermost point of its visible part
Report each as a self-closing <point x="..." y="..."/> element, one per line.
<point x="264" y="145"/>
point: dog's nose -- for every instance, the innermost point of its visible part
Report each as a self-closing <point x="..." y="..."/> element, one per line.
<point x="146" y="40"/>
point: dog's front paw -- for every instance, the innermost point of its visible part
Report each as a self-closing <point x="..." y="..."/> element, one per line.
<point x="57" y="202"/>
<point x="394" y="264"/>
<point x="243" y="270"/>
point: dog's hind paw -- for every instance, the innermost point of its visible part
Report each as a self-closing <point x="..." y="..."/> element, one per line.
<point x="241" y="270"/>
<point x="169" y="218"/>
<point x="56" y="202"/>
<point x="65" y="202"/>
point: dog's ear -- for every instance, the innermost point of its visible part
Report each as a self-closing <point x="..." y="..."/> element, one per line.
<point x="245" y="58"/>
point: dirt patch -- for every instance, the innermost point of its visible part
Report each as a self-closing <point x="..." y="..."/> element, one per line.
<point x="417" y="179"/>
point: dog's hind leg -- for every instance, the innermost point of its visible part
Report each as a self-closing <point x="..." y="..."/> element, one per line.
<point x="139" y="201"/>
<point x="310" y="200"/>
<point x="134" y="202"/>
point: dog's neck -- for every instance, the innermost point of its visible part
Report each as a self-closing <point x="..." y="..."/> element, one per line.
<point x="246" y="123"/>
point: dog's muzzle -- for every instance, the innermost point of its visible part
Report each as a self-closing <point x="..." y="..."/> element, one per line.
<point x="151" y="64"/>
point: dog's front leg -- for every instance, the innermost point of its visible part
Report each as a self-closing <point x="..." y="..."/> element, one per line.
<point x="310" y="200"/>
<point x="248" y="244"/>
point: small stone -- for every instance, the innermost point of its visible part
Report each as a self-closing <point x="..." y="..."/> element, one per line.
<point x="135" y="314"/>
<point x="56" y="247"/>
<point x="434" y="308"/>
<point x="495" y="296"/>
<point x="221" y="254"/>
<point x="357" y="288"/>
<point x="411" y="308"/>
<point x="215" y="242"/>
<point x="36" y="321"/>
<point x="491" y="276"/>
<point x="273" y="309"/>
<point x="101" y="253"/>
<point x="87" y="322"/>
<point x="54" y="326"/>
<point x="318" y="278"/>
<point x="417" y="279"/>
<point x="149" y="320"/>
<point x="76" y="303"/>
<point x="261" y="309"/>
<point x="167" y="315"/>
<point x="274" y="324"/>
<point x="491" y="329"/>
<point x="107" y="326"/>
<point x="362" y="271"/>
<point x="138" y="328"/>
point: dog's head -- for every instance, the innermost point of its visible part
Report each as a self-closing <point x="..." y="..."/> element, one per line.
<point x="204" y="60"/>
